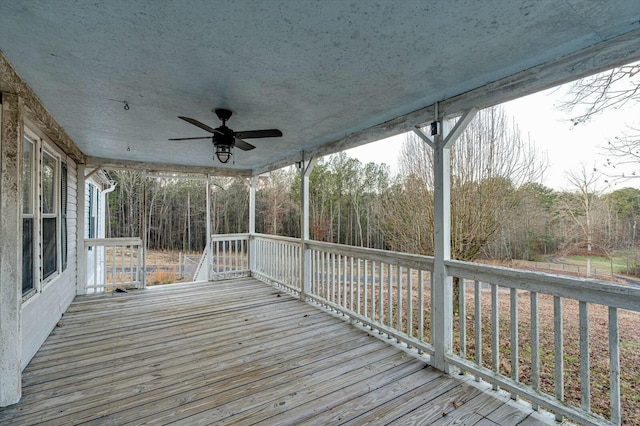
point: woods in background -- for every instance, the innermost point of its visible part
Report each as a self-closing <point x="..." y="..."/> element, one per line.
<point x="499" y="210"/>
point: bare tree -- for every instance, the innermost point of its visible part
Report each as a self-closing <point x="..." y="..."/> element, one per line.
<point x="586" y="184"/>
<point x="611" y="89"/>
<point x="489" y="162"/>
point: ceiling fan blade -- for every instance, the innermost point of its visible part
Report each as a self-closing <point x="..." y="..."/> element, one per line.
<point x="266" y="133"/>
<point x="188" y="139"/>
<point x="199" y="124"/>
<point x="243" y="145"/>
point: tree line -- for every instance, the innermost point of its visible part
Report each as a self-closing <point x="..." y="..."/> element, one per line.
<point x="499" y="210"/>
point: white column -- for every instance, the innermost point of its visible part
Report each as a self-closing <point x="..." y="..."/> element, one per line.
<point x="10" y="249"/>
<point x="209" y="250"/>
<point x="145" y="229"/>
<point x="253" y="182"/>
<point x="442" y="291"/>
<point x="306" y="167"/>
<point x="442" y="304"/>
<point x="81" y="251"/>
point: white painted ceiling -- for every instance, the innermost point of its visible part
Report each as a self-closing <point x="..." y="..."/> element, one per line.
<point x="321" y="71"/>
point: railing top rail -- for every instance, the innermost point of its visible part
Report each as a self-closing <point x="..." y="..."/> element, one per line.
<point x="587" y="290"/>
<point x="218" y="237"/>
<point x="109" y="242"/>
<point x="277" y="238"/>
<point x="415" y="261"/>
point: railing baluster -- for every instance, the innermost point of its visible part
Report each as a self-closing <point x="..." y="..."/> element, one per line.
<point x="585" y="393"/>
<point x="381" y="295"/>
<point x="399" y="298"/>
<point x="351" y="283"/>
<point x="558" y="346"/>
<point x="515" y="366"/>
<point x="389" y="295"/>
<point x="366" y="289"/>
<point x="463" y="319"/>
<point x="333" y="277"/>
<point x="495" y="331"/>
<point x="359" y="292"/>
<point x="535" y="352"/>
<point x="327" y="275"/>
<point x="325" y="272"/>
<point x="421" y="305"/>
<point x="344" y="281"/>
<point x="614" y="366"/>
<point x="113" y="266"/>
<point x="478" y="323"/>
<point x="409" y="302"/>
<point x="373" y="290"/>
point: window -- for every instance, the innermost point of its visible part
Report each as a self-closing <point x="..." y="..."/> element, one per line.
<point x="27" y="216"/>
<point x="44" y="213"/>
<point x="49" y="179"/>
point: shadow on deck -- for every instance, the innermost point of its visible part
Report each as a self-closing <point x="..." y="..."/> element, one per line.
<point x="241" y="352"/>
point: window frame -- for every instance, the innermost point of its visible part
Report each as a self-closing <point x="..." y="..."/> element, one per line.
<point x="42" y="150"/>
<point x="29" y="137"/>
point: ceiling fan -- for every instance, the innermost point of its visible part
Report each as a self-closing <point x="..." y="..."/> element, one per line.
<point x="225" y="139"/>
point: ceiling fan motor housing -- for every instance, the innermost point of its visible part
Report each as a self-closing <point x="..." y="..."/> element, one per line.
<point x="225" y="137"/>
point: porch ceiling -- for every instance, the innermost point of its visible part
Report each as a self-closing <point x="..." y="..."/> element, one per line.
<point x="329" y="74"/>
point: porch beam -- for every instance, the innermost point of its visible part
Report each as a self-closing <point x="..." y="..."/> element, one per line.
<point x="596" y="58"/>
<point x="11" y="152"/>
<point x="115" y="164"/>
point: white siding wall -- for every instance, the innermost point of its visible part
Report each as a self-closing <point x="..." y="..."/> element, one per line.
<point x="41" y="313"/>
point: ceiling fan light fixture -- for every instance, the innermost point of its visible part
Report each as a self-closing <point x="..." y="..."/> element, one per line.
<point x="223" y="152"/>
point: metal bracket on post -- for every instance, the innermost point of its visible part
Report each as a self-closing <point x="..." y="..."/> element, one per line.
<point x="306" y="167"/>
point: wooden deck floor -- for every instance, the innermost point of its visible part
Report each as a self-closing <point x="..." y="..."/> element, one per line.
<point x="237" y="352"/>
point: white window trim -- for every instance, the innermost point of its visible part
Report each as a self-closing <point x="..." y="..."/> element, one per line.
<point x="42" y="145"/>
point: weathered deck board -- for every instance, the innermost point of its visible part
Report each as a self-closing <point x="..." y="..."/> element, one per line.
<point x="234" y="352"/>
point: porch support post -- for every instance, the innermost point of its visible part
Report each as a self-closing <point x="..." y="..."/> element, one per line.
<point x="11" y="128"/>
<point x="208" y="241"/>
<point x="253" y="183"/>
<point x="442" y="286"/>
<point x="144" y="230"/>
<point x="306" y="167"/>
<point x="81" y="251"/>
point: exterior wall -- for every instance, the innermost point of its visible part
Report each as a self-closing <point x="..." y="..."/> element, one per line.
<point x="41" y="312"/>
<point x="26" y="321"/>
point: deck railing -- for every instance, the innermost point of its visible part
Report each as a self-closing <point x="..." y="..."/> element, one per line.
<point x="392" y="294"/>
<point x="277" y="260"/>
<point x="519" y="295"/>
<point x="387" y="291"/>
<point x="113" y="263"/>
<point x="230" y="256"/>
